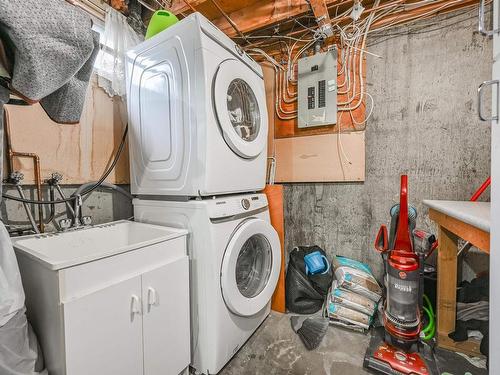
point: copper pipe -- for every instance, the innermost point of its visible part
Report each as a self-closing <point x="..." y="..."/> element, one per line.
<point x="38" y="181"/>
<point x="36" y="167"/>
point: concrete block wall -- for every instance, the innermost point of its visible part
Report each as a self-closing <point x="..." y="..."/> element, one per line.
<point x="424" y="124"/>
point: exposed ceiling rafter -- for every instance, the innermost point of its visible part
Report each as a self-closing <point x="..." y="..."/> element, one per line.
<point x="182" y="6"/>
<point x="239" y="17"/>
<point x="265" y="13"/>
<point x="261" y="14"/>
<point x="320" y="11"/>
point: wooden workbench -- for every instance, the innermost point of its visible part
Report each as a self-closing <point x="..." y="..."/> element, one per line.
<point x="471" y="222"/>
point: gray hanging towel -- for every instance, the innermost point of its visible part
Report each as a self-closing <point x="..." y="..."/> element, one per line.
<point x="19" y="350"/>
<point x="52" y="49"/>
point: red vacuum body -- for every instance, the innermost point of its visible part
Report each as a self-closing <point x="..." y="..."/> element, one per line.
<point x="402" y="308"/>
<point x="402" y="280"/>
<point x="402" y="316"/>
<point x="401" y="311"/>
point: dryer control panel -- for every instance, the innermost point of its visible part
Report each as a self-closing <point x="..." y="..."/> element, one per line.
<point x="224" y="207"/>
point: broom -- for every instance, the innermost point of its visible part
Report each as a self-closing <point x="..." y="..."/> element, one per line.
<point x="311" y="330"/>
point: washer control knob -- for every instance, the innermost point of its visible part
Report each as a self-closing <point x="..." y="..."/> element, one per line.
<point x="245" y="203"/>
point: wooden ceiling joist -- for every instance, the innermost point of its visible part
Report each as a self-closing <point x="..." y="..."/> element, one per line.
<point x="245" y="16"/>
<point x="260" y="14"/>
<point x="319" y="9"/>
<point x="425" y="11"/>
<point x="119" y="5"/>
<point x="182" y="6"/>
<point x="265" y="13"/>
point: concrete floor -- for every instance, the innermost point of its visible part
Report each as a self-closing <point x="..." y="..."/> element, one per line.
<point x="275" y="349"/>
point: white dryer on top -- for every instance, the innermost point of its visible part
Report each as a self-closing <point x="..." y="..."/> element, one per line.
<point x="197" y="114"/>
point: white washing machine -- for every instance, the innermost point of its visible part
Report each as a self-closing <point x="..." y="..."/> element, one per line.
<point x="197" y="114"/>
<point x="235" y="261"/>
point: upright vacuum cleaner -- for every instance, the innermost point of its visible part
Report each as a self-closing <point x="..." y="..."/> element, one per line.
<point x="397" y="350"/>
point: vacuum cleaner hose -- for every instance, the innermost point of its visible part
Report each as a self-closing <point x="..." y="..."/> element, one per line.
<point x="430" y="328"/>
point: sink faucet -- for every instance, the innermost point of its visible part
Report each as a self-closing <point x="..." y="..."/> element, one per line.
<point x="77" y="208"/>
<point x="84" y="220"/>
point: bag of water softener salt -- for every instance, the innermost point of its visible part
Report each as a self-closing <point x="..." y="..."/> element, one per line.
<point x="352" y="300"/>
<point x="340" y="261"/>
<point x="356" y="277"/>
<point x="342" y="315"/>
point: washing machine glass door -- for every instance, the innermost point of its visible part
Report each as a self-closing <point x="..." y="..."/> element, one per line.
<point x="240" y="103"/>
<point x="250" y="267"/>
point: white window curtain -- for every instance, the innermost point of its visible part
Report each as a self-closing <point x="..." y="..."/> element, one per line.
<point x="118" y="37"/>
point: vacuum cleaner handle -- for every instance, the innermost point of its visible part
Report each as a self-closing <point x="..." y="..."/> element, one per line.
<point x="403" y="237"/>
<point x="382" y="240"/>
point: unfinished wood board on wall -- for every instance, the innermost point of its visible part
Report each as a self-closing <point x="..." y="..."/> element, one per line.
<point x="79" y="152"/>
<point x="319" y="158"/>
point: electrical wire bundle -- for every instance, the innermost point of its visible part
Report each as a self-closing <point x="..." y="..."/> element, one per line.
<point x="283" y="49"/>
<point x="351" y="27"/>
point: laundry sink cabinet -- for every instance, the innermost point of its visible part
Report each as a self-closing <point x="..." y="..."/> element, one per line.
<point x="123" y="310"/>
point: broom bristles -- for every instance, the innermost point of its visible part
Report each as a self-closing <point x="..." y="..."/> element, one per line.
<point x="312" y="331"/>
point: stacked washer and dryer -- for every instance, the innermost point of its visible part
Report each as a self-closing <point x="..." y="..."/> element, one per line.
<point x="198" y="148"/>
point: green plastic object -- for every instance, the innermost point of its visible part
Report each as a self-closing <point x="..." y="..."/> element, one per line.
<point x="430" y="330"/>
<point x="161" y="20"/>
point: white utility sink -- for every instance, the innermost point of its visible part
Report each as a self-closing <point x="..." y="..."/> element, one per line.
<point x="109" y="299"/>
<point x="66" y="249"/>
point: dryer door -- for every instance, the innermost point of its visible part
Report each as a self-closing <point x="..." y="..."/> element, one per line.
<point x="240" y="103"/>
<point x="250" y="267"/>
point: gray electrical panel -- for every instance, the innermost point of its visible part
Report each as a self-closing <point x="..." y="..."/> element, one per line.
<point x="317" y="89"/>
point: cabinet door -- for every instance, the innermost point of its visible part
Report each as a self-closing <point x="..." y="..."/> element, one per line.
<point x="165" y="295"/>
<point x="103" y="334"/>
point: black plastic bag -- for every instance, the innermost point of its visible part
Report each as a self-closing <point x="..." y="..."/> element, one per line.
<point x="305" y="294"/>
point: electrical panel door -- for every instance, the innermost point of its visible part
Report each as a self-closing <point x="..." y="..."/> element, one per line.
<point x="317" y="89"/>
